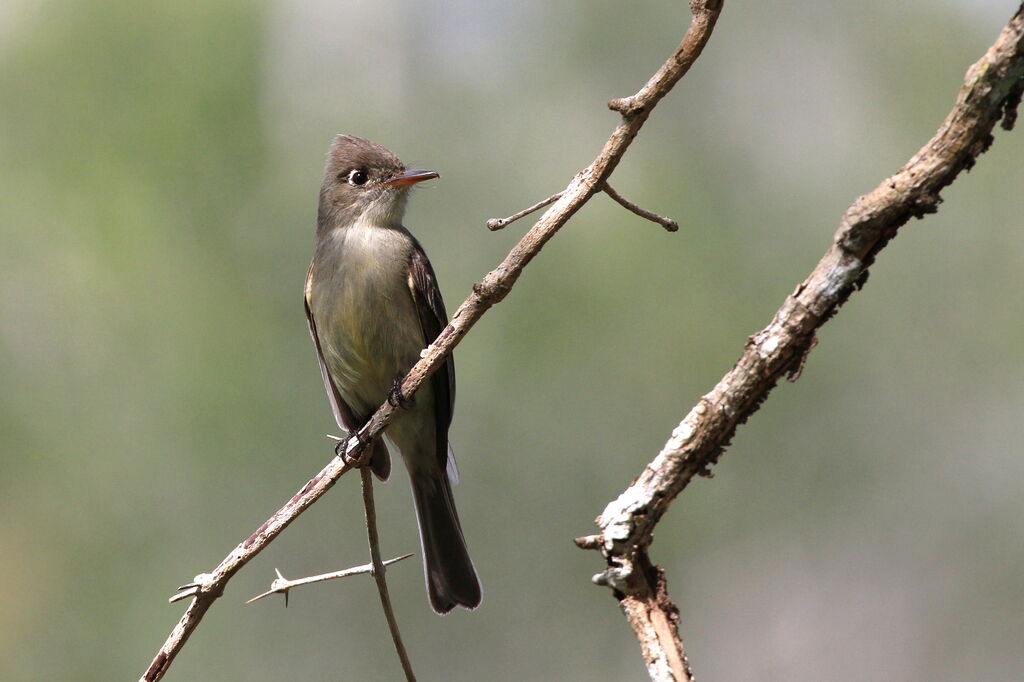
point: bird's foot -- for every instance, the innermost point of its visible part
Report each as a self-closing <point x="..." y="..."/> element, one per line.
<point x="341" y="447"/>
<point x="397" y="399"/>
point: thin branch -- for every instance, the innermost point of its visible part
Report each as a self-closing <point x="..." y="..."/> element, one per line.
<point x="208" y="587"/>
<point x="379" y="572"/>
<point x="990" y="92"/>
<point x="667" y="223"/>
<point x="495" y="224"/>
<point x="705" y="14"/>
<point x="282" y="585"/>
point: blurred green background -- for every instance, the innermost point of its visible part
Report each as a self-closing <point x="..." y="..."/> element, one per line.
<point x="159" y="166"/>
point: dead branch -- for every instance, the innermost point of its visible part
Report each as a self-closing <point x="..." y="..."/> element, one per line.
<point x="991" y="91"/>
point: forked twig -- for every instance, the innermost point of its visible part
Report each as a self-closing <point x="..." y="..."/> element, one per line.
<point x="669" y="224"/>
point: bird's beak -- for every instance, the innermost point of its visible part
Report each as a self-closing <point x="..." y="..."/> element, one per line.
<point x="411" y="177"/>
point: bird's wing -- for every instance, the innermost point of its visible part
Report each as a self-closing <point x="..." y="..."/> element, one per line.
<point x="433" y="318"/>
<point x="342" y="413"/>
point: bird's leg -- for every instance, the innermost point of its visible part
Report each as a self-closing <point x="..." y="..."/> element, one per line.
<point x="395" y="397"/>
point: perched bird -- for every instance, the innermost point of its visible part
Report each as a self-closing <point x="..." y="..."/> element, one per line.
<point x="373" y="304"/>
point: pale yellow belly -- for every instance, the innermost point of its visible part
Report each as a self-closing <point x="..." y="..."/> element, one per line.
<point x="369" y="329"/>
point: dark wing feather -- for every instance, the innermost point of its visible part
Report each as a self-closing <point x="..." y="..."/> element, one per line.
<point x="433" y="318"/>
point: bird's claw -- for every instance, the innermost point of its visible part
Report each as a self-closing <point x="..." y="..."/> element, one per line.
<point x="397" y="399"/>
<point x="341" y="447"/>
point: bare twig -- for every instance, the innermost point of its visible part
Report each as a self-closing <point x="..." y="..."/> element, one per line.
<point x="667" y="223"/>
<point x="208" y="587"/>
<point x="497" y="223"/>
<point x="379" y="572"/>
<point x="991" y="90"/>
<point x="282" y="585"/>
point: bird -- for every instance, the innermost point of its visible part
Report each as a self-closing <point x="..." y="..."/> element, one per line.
<point x="373" y="303"/>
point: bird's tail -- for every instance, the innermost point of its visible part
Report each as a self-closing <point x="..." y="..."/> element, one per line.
<point x="450" y="576"/>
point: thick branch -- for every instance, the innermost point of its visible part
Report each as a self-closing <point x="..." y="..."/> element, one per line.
<point x="490" y="290"/>
<point x="991" y="91"/>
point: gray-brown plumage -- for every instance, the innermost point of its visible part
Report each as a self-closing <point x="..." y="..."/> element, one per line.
<point x="373" y="303"/>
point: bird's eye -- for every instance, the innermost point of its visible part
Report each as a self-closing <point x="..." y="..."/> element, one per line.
<point x="357" y="177"/>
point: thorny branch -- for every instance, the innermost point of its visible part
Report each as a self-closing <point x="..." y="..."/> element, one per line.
<point x="208" y="587"/>
<point x="282" y="585"/>
<point x="991" y="91"/>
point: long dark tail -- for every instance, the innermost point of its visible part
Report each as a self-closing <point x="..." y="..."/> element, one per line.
<point x="451" y="578"/>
